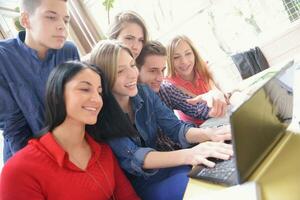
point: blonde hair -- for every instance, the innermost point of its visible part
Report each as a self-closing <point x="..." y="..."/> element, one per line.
<point x="122" y="19"/>
<point x="105" y="56"/>
<point x="200" y="65"/>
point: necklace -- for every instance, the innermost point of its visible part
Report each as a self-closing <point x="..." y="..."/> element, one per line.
<point x="97" y="182"/>
<point x="78" y="164"/>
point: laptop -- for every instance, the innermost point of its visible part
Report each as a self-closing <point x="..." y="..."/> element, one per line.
<point x="221" y="121"/>
<point x="256" y="125"/>
<point x="216" y="122"/>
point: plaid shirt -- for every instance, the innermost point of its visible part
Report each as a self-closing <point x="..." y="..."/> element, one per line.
<point x="175" y="99"/>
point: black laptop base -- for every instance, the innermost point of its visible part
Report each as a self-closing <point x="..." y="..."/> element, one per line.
<point x="223" y="173"/>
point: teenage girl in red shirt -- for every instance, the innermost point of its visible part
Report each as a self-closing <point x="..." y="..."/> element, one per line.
<point x="65" y="162"/>
<point x="189" y="72"/>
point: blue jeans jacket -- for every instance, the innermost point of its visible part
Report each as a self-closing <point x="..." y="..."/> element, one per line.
<point x="150" y="114"/>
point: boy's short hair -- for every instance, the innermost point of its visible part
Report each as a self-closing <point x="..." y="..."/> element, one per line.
<point x="31" y="5"/>
<point x="154" y="48"/>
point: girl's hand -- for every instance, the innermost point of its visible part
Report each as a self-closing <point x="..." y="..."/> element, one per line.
<point x="199" y="153"/>
<point x="218" y="134"/>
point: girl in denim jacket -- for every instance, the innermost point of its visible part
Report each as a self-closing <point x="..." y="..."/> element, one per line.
<point x="131" y="130"/>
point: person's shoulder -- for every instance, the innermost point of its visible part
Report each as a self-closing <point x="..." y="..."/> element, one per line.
<point x="145" y="92"/>
<point x="8" y="41"/>
<point x="96" y="144"/>
<point x="21" y="160"/>
<point x="68" y="51"/>
<point x="105" y="147"/>
<point x="105" y="151"/>
<point x="23" y="168"/>
<point x="7" y="45"/>
<point x="168" y="88"/>
<point x="144" y="88"/>
<point x="69" y="45"/>
<point x="167" y="84"/>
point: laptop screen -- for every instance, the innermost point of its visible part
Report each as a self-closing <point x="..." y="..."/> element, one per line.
<point x="260" y="121"/>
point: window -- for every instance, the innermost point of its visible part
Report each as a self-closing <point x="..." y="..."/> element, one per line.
<point x="9" y="25"/>
<point x="292" y="7"/>
<point x="8" y="16"/>
<point x="218" y="28"/>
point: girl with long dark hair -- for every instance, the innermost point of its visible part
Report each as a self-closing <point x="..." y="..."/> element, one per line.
<point x="65" y="162"/>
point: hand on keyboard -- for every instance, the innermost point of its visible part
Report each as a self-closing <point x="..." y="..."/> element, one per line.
<point x="199" y="153"/>
<point x="218" y="134"/>
<point x="221" y="172"/>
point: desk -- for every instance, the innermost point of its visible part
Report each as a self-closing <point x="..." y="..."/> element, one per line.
<point x="279" y="174"/>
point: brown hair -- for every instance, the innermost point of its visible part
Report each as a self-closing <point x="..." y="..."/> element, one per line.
<point x="113" y="122"/>
<point x="31" y="5"/>
<point x="123" y="18"/>
<point x="150" y="48"/>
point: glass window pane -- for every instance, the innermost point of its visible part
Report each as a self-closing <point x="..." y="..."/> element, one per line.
<point x="218" y="28"/>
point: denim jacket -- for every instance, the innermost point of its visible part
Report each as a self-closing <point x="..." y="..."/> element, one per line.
<point x="150" y="114"/>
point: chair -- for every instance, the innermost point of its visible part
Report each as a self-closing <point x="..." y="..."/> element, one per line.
<point x="250" y="62"/>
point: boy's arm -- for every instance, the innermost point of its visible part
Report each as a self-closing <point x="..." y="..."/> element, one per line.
<point x="176" y="100"/>
<point x="15" y="125"/>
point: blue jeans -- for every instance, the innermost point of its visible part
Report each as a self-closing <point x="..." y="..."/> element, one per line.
<point x="169" y="183"/>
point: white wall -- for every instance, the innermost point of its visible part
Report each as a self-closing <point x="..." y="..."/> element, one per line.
<point x="278" y="50"/>
<point x="283" y="47"/>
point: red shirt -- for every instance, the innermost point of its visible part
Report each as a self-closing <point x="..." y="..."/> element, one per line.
<point x="42" y="170"/>
<point x="199" y="86"/>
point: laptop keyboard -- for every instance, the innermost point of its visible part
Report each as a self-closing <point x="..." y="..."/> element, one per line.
<point x="215" y="122"/>
<point x="220" y="173"/>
